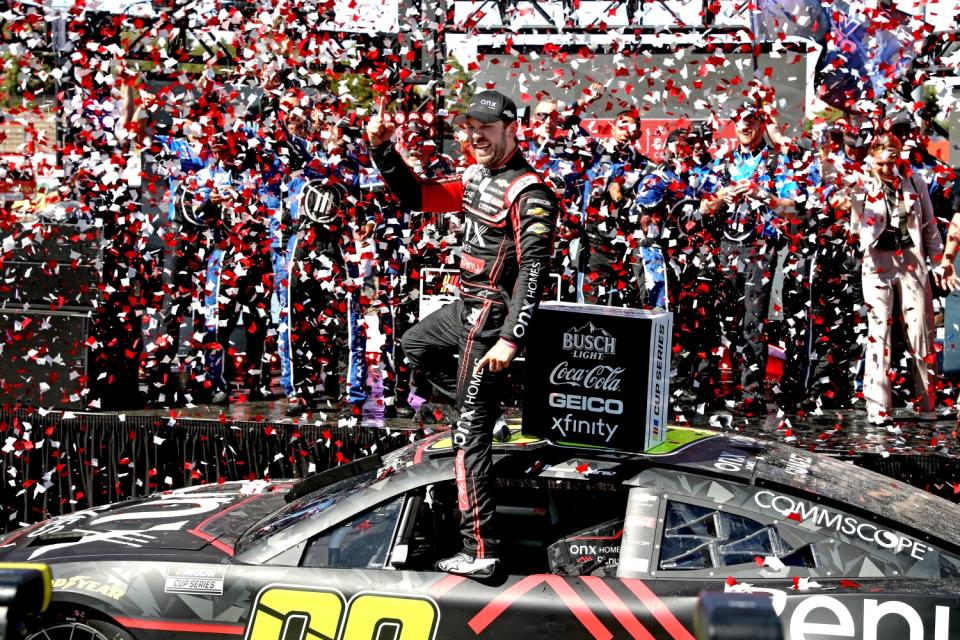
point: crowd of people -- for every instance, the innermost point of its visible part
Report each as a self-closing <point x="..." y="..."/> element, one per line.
<point x="767" y="249"/>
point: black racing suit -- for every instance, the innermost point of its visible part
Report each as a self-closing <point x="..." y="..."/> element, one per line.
<point x="509" y="215"/>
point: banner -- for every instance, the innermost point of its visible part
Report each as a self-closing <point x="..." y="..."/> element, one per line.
<point x="57" y="463"/>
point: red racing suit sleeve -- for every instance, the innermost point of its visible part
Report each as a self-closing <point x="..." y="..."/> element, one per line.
<point x="533" y="217"/>
<point x="430" y="196"/>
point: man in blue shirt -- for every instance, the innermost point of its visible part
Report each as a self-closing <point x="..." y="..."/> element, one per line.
<point x="753" y="205"/>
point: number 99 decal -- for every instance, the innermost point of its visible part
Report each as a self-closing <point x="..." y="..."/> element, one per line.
<point x="295" y="613"/>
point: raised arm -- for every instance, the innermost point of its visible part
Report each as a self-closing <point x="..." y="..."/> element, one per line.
<point x="439" y="196"/>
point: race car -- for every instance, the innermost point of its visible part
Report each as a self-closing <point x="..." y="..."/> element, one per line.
<point x="595" y="544"/>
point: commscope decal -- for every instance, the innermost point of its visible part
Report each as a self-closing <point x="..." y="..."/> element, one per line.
<point x="847" y="525"/>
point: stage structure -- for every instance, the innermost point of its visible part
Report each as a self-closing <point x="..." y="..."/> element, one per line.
<point x="59" y="461"/>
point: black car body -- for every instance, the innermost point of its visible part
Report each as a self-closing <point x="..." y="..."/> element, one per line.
<point x="596" y="544"/>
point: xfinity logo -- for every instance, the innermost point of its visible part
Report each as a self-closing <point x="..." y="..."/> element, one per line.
<point x="589" y="342"/>
<point x="568" y="424"/>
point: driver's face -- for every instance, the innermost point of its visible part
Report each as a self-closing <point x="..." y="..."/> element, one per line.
<point x="700" y="146"/>
<point x="492" y="142"/>
<point x="885" y="163"/>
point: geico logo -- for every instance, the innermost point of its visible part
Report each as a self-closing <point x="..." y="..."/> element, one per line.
<point x="593" y="404"/>
<point x="847" y="525"/>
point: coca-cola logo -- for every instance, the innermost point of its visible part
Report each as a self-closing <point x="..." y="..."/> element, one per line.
<point x="598" y="378"/>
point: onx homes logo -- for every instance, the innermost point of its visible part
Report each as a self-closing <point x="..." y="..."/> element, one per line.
<point x="589" y="342"/>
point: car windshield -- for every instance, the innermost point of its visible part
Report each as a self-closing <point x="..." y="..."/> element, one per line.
<point x="308" y="506"/>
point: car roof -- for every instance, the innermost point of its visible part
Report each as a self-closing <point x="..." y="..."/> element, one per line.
<point x="726" y="457"/>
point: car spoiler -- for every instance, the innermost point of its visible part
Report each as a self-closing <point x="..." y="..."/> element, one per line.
<point x="328" y="476"/>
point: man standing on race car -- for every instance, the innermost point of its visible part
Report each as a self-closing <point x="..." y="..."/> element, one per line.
<point x="507" y="235"/>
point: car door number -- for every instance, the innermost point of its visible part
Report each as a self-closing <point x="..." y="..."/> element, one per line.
<point x="293" y="613"/>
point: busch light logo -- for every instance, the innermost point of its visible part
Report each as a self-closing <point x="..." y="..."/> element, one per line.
<point x="589" y="342"/>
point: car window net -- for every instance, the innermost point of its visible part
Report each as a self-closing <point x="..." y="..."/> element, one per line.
<point x="360" y="543"/>
<point x="697" y="537"/>
<point x="594" y="551"/>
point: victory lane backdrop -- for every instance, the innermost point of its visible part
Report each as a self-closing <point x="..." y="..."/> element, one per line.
<point x="598" y="376"/>
<point x="56" y="463"/>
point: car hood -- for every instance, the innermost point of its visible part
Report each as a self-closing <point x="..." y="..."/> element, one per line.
<point x="202" y="522"/>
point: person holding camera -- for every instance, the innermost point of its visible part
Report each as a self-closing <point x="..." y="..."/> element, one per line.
<point x="894" y="221"/>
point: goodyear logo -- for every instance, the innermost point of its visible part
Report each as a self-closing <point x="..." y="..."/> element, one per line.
<point x="85" y="583"/>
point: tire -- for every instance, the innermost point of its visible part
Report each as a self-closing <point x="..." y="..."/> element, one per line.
<point x="86" y="630"/>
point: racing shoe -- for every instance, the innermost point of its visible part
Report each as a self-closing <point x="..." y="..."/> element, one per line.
<point x="501" y="430"/>
<point x="464" y="564"/>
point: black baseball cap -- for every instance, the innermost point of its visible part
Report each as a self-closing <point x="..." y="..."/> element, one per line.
<point x="489" y="106"/>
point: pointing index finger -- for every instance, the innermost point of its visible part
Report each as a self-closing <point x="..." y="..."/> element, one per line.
<point x="481" y="364"/>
